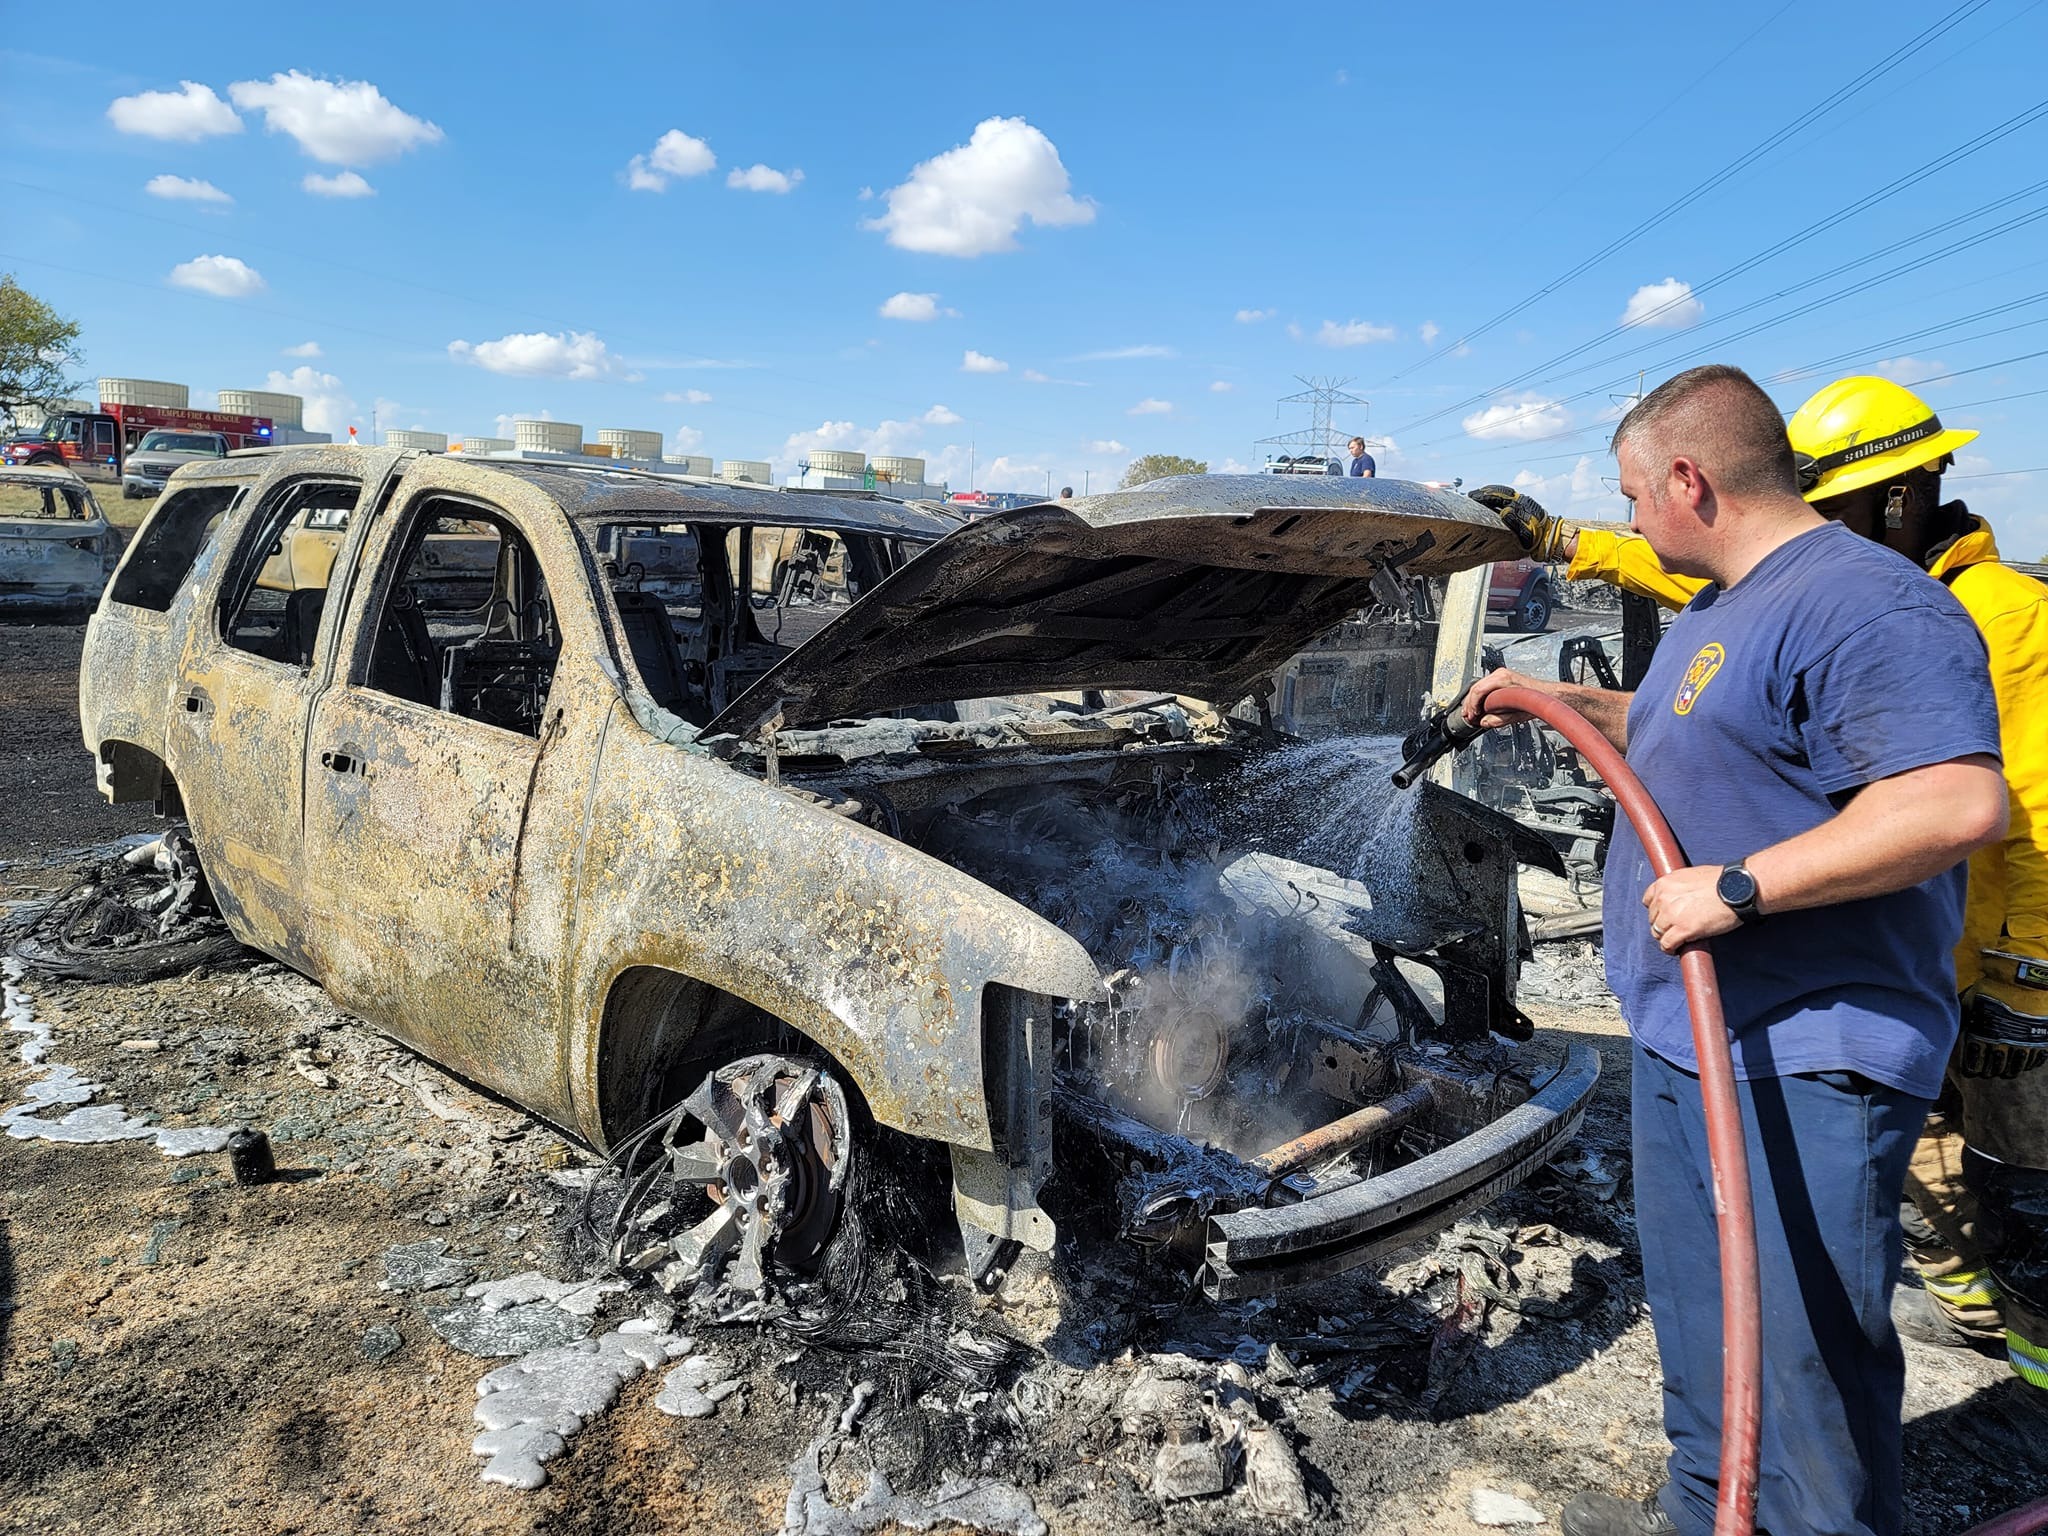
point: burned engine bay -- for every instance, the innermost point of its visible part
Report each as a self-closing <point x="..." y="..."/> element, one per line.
<point x="1308" y="982"/>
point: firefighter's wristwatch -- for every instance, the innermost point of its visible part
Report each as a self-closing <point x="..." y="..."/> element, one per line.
<point x="1737" y="888"/>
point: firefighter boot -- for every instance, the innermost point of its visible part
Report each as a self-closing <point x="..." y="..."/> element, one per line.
<point x="1602" y="1514"/>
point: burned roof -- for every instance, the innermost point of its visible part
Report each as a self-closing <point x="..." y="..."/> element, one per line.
<point x="602" y="492"/>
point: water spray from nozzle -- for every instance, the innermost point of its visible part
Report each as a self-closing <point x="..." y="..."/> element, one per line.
<point x="1442" y="732"/>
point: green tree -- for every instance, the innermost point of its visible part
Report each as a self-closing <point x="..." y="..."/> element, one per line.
<point x="1155" y="466"/>
<point x="38" y="349"/>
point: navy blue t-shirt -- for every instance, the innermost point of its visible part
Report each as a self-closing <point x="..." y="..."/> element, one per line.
<point x="1832" y="664"/>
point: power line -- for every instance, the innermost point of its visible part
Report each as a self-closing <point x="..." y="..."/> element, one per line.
<point x="1727" y="172"/>
<point x="1863" y="204"/>
<point x="1797" y="312"/>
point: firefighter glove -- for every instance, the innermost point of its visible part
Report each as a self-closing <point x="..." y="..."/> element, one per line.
<point x="1539" y="534"/>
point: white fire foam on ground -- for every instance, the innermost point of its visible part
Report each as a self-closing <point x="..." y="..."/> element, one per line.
<point x="60" y="1085"/>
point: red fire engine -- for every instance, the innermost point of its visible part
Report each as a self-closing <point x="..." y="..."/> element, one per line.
<point x="95" y="443"/>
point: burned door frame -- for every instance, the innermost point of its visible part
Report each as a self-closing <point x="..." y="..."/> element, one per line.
<point x="235" y="736"/>
<point x="439" y="847"/>
<point x="134" y="651"/>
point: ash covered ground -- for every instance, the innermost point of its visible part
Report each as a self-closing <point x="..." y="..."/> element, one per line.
<point x="180" y="1353"/>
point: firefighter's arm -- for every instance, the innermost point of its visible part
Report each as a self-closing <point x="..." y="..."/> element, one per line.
<point x="1624" y="560"/>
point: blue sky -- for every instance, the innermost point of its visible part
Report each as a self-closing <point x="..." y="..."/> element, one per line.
<point x="1106" y="230"/>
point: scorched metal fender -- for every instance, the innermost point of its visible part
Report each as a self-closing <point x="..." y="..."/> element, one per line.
<point x="876" y="952"/>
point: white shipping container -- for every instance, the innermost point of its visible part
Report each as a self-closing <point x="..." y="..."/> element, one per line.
<point x="548" y="436"/>
<point x="283" y="410"/>
<point x="160" y="393"/>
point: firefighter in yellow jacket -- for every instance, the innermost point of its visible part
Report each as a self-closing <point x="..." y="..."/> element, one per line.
<point x="1871" y="455"/>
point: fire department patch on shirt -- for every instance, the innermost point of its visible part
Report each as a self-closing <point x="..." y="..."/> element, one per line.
<point x="1697" y="676"/>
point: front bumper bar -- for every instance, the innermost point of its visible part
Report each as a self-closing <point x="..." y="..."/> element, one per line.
<point x="1260" y="1250"/>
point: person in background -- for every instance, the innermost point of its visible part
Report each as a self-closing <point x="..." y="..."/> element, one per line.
<point x="1066" y="493"/>
<point x="1361" y="461"/>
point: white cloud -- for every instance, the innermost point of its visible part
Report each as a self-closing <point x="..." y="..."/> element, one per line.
<point x="1353" y="333"/>
<point x="1106" y="445"/>
<point x="1909" y="371"/>
<point x="971" y="200"/>
<point x="762" y="178"/>
<point x="1343" y="77"/>
<point x="544" y="355"/>
<point x="1120" y="354"/>
<point x="328" y="406"/>
<point x="1667" y="306"/>
<point x="941" y="416"/>
<point x="1254" y="316"/>
<point x="912" y="306"/>
<point x="685" y="440"/>
<point x="225" y="277"/>
<point x="1429" y="330"/>
<point x="687" y="397"/>
<point x="342" y="122"/>
<point x="1221" y="387"/>
<point x="1033" y="376"/>
<point x="980" y="362"/>
<point x="185" y="189"/>
<point x="1151" y="408"/>
<point x="1294" y="330"/>
<point x="190" y="113"/>
<point x="675" y="154"/>
<point x="303" y="349"/>
<point x="1518" y="420"/>
<point x="346" y="184"/>
<point x="1577" y="492"/>
<point x="1230" y="467"/>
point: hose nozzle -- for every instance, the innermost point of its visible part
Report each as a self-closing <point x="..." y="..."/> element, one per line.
<point x="1442" y="732"/>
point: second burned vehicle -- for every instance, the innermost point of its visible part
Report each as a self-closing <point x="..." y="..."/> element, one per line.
<point x="750" y="830"/>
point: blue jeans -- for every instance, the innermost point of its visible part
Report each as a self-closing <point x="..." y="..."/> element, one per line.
<point x="1827" y="1164"/>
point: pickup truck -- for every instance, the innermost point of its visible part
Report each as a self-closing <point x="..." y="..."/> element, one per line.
<point x="749" y="833"/>
<point x="161" y="453"/>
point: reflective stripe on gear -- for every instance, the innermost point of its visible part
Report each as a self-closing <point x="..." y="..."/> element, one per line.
<point x="1966" y="1288"/>
<point x="2029" y="1361"/>
<point x="1863" y="431"/>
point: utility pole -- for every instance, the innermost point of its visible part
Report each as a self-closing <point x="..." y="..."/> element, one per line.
<point x="970" y="464"/>
<point x="1084" y="480"/>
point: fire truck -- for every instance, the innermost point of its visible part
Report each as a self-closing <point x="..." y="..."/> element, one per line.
<point x="96" y="443"/>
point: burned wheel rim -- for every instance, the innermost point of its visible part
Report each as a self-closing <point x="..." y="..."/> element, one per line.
<point x="777" y="1140"/>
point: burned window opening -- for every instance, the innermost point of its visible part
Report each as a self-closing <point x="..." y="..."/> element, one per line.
<point x="468" y="627"/>
<point x="272" y="601"/>
<point x="170" y="543"/>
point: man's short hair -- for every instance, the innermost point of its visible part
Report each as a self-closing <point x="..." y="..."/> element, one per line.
<point x="1718" y="416"/>
<point x="1359" y="440"/>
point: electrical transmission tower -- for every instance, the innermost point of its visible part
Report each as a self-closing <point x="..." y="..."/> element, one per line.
<point x="1322" y="437"/>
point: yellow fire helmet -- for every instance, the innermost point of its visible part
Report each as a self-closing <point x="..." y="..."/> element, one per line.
<point x="1859" y="431"/>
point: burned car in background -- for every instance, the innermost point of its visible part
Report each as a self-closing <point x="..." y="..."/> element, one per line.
<point x="56" y="546"/>
<point x="748" y="832"/>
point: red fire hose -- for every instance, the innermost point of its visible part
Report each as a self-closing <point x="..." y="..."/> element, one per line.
<point x="1741" y="1300"/>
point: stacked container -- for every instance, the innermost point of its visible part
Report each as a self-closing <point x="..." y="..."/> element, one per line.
<point x="283" y="410"/>
<point x="548" y="436"/>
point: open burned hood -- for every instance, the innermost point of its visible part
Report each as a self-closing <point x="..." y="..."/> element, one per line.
<point x="1197" y="584"/>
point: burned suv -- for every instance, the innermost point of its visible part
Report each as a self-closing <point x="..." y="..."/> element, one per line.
<point x="755" y="829"/>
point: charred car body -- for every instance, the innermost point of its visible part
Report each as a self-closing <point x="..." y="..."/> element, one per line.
<point x="56" y="546"/>
<point x="736" y="826"/>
